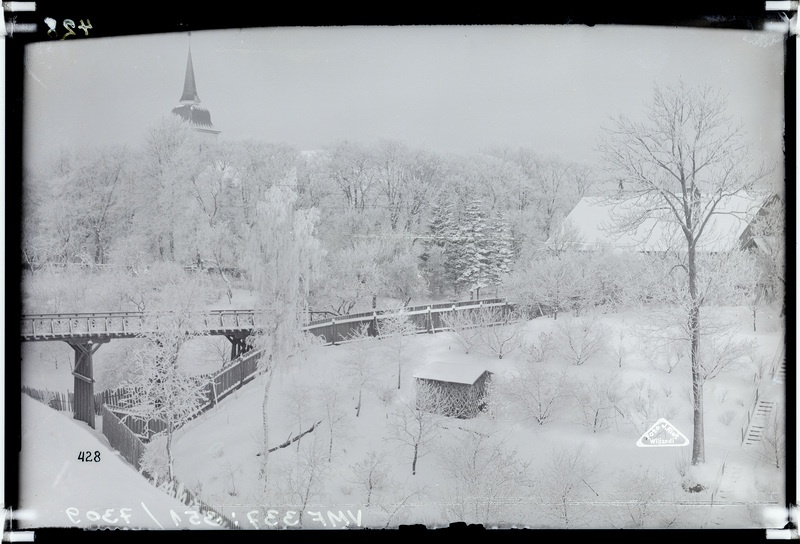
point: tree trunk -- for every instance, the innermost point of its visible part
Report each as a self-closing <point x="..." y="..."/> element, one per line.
<point x="170" y="463"/>
<point x="698" y="443"/>
<point x="265" y="430"/>
<point x="414" y="462"/>
<point x="358" y="406"/>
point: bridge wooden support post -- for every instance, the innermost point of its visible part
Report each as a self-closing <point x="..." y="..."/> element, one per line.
<point x="238" y="344"/>
<point x="84" y="377"/>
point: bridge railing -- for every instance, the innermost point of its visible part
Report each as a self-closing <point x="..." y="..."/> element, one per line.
<point x="44" y="326"/>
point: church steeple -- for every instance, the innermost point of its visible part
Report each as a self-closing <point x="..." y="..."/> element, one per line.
<point x="199" y="118"/>
<point x="189" y="87"/>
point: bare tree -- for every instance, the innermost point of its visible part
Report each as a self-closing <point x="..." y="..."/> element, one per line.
<point x="537" y="393"/>
<point x="329" y="397"/>
<point x="598" y="400"/>
<point x="395" y="328"/>
<point x="462" y="324"/>
<point x="415" y="427"/>
<point x="371" y="473"/>
<point x="772" y="448"/>
<point x="680" y="167"/>
<point x="297" y="399"/>
<point x="303" y="479"/>
<point x="359" y="370"/>
<point x="645" y="498"/>
<point x="488" y="477"/>
<point x="565" y="485"/>
<point x="499" y="331"/>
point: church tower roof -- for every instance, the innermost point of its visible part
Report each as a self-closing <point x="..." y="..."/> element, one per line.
<point x="189" y="86"/>
<point x="188" y="108"/>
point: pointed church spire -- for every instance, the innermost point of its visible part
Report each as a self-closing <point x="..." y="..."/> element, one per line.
<point x="188" y="108"/>
<point x="189" y="95"/>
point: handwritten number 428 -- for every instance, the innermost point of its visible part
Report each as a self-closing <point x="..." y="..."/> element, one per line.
<point x="69" y="24"/>
<point x="89" y="457"/>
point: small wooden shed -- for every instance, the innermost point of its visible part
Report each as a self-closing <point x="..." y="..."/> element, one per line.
<point x="452" y="389"/>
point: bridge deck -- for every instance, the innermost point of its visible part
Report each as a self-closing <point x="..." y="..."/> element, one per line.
<point x="41" y="327"/>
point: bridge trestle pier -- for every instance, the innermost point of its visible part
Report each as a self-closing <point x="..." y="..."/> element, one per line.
<point x="238" y="342"/>
<point x="83" y="373"/>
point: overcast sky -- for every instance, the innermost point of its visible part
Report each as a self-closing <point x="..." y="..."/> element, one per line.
<point x="447" y="88"/>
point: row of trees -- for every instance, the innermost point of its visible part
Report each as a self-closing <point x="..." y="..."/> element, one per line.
<point x="177" y="198"/>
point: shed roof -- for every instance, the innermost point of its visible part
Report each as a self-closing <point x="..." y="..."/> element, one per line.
<point x="594" y="219"/>
<point x="466" y="373"/>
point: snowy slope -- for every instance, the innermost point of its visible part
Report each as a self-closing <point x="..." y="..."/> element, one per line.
<point x="58" y="490"/>
<point x="216" y="454"/>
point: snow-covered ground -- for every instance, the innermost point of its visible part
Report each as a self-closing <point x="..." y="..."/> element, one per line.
<point x="56" y="489"/>
<point x="217" y="454"/>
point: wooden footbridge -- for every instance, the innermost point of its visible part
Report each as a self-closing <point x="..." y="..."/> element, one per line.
<point x="86" y="332"/>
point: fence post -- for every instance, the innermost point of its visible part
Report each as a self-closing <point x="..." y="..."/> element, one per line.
<point x="333" y="328"/>
<point x="430" y="320"/>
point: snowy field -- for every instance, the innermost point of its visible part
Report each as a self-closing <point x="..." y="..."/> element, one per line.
<point x="501" y="468"/>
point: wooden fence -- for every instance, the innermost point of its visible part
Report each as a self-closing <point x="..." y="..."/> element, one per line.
<point x="64" y="402"/>
<point x="122" y="438"/>
<point x="125" y="441"/>
<point x="426" y="319"/>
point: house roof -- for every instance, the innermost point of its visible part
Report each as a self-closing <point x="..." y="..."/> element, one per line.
<point x="466" y="373"/>
<point x="594" y="218"/>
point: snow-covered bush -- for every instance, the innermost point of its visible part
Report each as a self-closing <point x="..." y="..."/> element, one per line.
<point x="540" y="350"/>
<point x="726" y="417"/>
<point x="580" y="339"/>
<point x="155" y="460"/>
<point x="647" y="499"/>
<point x="640" y="406"/>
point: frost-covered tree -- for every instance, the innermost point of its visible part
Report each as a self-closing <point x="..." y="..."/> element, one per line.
<point x="501" y="255"/>
<point x="768" y="232"/>
<point x="436" y="260"/>
<point x="349" y="278"/>
<point x="472" y="259"/>
<point x="162" y="388"/>
<point x="282" y="255"/>
<point x="678" y="166"/>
